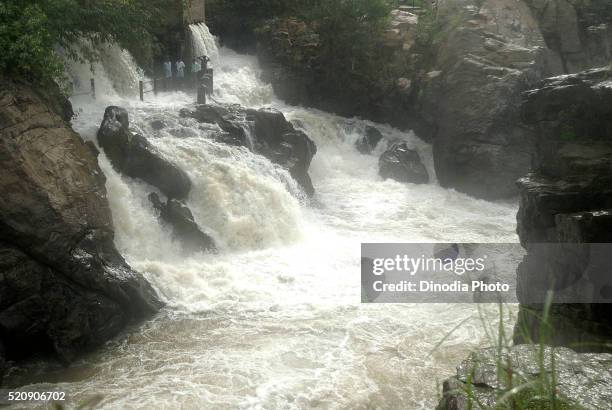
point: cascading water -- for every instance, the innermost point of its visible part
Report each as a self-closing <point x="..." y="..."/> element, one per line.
<point x="203" y="43"/>
<point x="115" y="74"/>
<point x="274" y="319"/>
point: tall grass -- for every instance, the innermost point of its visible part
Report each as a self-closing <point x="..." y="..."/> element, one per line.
<point x="511" y="389"/>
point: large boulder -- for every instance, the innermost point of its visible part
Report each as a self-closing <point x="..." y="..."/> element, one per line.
<point x="583" y="381"/>
<point x="179" y="217"/>
<point x="64" y="287"/>
<point x="565" y="214"/>
<point x="134" y="156"/>
<point x="263" y="131"/>
<point x="279" y="141"/>
<point x="403" y="165"/>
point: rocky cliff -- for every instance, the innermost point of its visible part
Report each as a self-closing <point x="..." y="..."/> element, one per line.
<point x="565" y="224"/>
<point x="63" y="286"/>
<point x="567" y="201"/>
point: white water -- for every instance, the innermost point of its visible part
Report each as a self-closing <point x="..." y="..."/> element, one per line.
<point x="203" y="43"/>
<point x="274" y="320"/>
<point x="115" y="74"/>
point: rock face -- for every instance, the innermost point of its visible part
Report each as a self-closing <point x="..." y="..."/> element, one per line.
<point x="582" y="380"/>
<point x="64" y="288"/>
<point x="266" y="132"/>
<point x="180" y="218"/>
<point x="579" y="32"/>
<point x="567" y="201"/>
<point x="132" y="155"/>
<point x="369" y="141"/>
<point x="403" y="165"/>
<point x="485" y="60"/>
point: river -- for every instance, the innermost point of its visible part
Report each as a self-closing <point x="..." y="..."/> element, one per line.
<point x="274" y="319"/>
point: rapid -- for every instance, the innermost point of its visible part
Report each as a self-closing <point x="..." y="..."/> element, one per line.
<point x="274" y="320"/>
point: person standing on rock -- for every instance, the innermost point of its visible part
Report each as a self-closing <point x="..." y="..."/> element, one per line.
<point x="180" y="72"/>
<point x="205" y="61"/>
<point x="167" y="72"/>
<point x="196" y="68"/>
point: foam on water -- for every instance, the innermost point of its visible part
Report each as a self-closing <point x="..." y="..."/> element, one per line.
<point x="274" y="319"/>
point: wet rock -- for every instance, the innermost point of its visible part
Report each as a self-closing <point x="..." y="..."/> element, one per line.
<point x="582" y="380"/>
<point x="132" y="155"/>
<point x="263" y="131"/>
<point x="490" y="54"/>
<point x="157" y="125"/>
<point x="403" y="165"/>
<point x="279" y="141"/>
<point x="230" y="118"/>
<point x="64" y="287"/>
<point x="180" y="218"/>
<point x="368" y="142"/>
<point x="578" y="32"/>
<point x="567" y="201"/>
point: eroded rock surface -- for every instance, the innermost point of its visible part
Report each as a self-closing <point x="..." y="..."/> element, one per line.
<point x="64" y="288"/>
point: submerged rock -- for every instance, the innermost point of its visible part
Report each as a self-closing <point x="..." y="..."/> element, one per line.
<point x="64" y="287"/>
<point x="403" y="165"/>
<point x="263" y="131"/>
<point x="369" y="141"/>
<point x="582" y="380"/>
<point x="132" y="155"/>
<point x="157" y="125"/>
<point x="180" y="218"/>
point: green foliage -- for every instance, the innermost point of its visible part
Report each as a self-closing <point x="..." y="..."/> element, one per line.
<point x="27" y="46"/>
<point x="31" y="31"/>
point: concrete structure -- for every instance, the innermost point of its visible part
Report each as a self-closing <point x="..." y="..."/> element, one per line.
<point x="194" y="12"/>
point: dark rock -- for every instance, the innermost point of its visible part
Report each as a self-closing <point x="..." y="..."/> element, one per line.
<point x="402" y="164"/>
<point x="132" y="155"/>
<point x="266" y="132"/>
<point x="2" y="362"/>
<point x="485" y="60"/>
<point x="64" y="287"/>
<point x="279" y="141"/>
<point x="180" y="218"/>
<point x="368" y="142"/>
<point x="582" y="380"/>
<point x="157" y="125"/>
<point x="231" y="119"/>
<point x="573" y="118"/>
<point x="564" y="219"/>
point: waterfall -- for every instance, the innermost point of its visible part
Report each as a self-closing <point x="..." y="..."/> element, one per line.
<point x="115" y="73"/>
<point x="273" y="320"/>
<point x="203" y="43"/>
